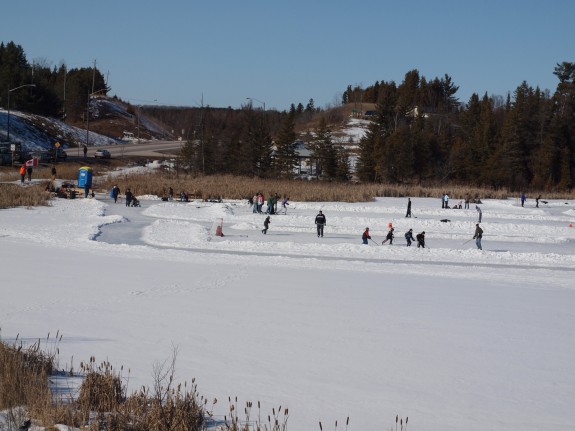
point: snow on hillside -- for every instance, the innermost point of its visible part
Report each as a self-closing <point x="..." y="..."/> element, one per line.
<point x="40" y="133"/>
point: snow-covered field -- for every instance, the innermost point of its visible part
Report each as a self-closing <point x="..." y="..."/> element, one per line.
<point x="453" y="337"/>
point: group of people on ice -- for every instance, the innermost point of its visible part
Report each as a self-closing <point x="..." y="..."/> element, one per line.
<point x="420" y="237"/>
<point x="321" y="222"/>
<point x="258" y="200"/>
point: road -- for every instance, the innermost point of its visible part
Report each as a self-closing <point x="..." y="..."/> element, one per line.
<point x="152" y="149"/>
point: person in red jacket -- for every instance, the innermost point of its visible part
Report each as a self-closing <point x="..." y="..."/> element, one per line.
<point x="365" y="236"/>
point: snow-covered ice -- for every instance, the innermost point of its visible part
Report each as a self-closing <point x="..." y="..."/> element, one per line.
<point x="453" y="337"/>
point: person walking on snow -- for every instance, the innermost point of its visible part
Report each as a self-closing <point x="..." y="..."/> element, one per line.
<point x="115" y="193"/>
<point x="129" y="197"/>
<point x="409" y="237"/>
<point x="365" y="236"/>
<point x="266" y="225"/>
<point x="420" y="239"/>
<point x="523" y="199"/>
<point x="320" y="222"/>
<point x="389" y="237"/>
<point x="537" y="201"/>
<point x="29" y="172"/>
<point x="478" y="213"/>
<point x="408" y="214"/>
<point x="478" y="235"/>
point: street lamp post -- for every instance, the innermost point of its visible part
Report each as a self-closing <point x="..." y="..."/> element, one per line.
<point x="88" y="119"/>
<point x="10" y="91"/>
<point x="263" y="103"/>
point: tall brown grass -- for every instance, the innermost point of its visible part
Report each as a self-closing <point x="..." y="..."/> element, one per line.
<point x="13" y="195"/>
<point x="234" y="187"/>
<point x="102" y="402"/>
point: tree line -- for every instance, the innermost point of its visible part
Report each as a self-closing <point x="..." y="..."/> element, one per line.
<point x="58" y="92"/>
<point x="421" y="133"/>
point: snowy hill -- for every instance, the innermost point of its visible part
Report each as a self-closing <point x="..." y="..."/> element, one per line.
<point x="109" y="118"/>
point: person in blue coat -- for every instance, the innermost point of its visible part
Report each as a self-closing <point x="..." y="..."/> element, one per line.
<point x="409" y="237"/>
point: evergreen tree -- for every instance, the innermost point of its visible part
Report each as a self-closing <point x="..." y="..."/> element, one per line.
<point x="323" y="151"/>
<point x="284" y="160"/>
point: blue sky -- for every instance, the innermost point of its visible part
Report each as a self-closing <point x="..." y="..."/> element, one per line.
<point x="283" y="52"/>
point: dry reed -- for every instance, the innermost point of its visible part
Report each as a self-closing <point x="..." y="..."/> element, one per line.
<point x="13" y="195"/>
<point x="234" y="187"/>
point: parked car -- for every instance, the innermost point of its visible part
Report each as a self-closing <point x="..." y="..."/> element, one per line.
<point x="102" y="154"/>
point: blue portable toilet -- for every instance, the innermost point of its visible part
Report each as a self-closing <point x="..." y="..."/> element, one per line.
<point x="85" y="177"/>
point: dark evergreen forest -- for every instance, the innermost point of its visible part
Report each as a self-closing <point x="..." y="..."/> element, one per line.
<point x="420" y="133"/>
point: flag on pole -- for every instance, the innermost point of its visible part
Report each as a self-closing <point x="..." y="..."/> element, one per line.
<point x="32" y="162"/>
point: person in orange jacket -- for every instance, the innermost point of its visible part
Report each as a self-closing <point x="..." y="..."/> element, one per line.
<point x="22" y="173"/>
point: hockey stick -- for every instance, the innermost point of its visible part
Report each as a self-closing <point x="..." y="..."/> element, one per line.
<point x="374" y="242"/>
<point x="467" y="241"/>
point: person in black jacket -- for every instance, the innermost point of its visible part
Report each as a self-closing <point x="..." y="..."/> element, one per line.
<point x="266" y="225"/>
<point x="420" y="239"/>
<point x="129" y="197"/>
<point x="478" y="235"/>
<point x="320" y="222"/>
<point x="389" y="237"/>
<point x="408" y="214"/>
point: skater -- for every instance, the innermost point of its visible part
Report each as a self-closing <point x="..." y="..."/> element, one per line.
<point x="478" y="213"/>
<point x="446" y="201"/>
<point x="85" y="149"/>
<point x="270" y="209"/>
<point x="255" y="203"/>
<point x="408" y="214"/>
<point x="86" y="190"/>
<point x="29" y="173"/>
<point x="537" y="201"/>
<point x="389" y="237"/>
<point x="170" y="194"/>
<point x="409" y="237"/>
<point x="420" y="239"/>
<point x="523" y="199"/>
<point x="365" y="236"/>
<point x="53" y="171"/>
<point x="267" y="222"/>
<point x="320" y="222"/>
<point x="467" y="199"/>
<point x="129" y="197"/>
<point x="260" y="202"/>
<point x="22" y="173"/>
<point x="477" y="236"/>
<point x="285" y="203"/>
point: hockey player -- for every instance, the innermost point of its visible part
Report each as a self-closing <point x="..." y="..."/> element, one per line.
<point x="409" y="237"/>
<point x="365" y="236"/>
<point x="266" y="225"/>
<point x="389" y="237"/>
<point x="478" y="235"/>
<point x="420" y="239"/>
<point x="320" y="222"/>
